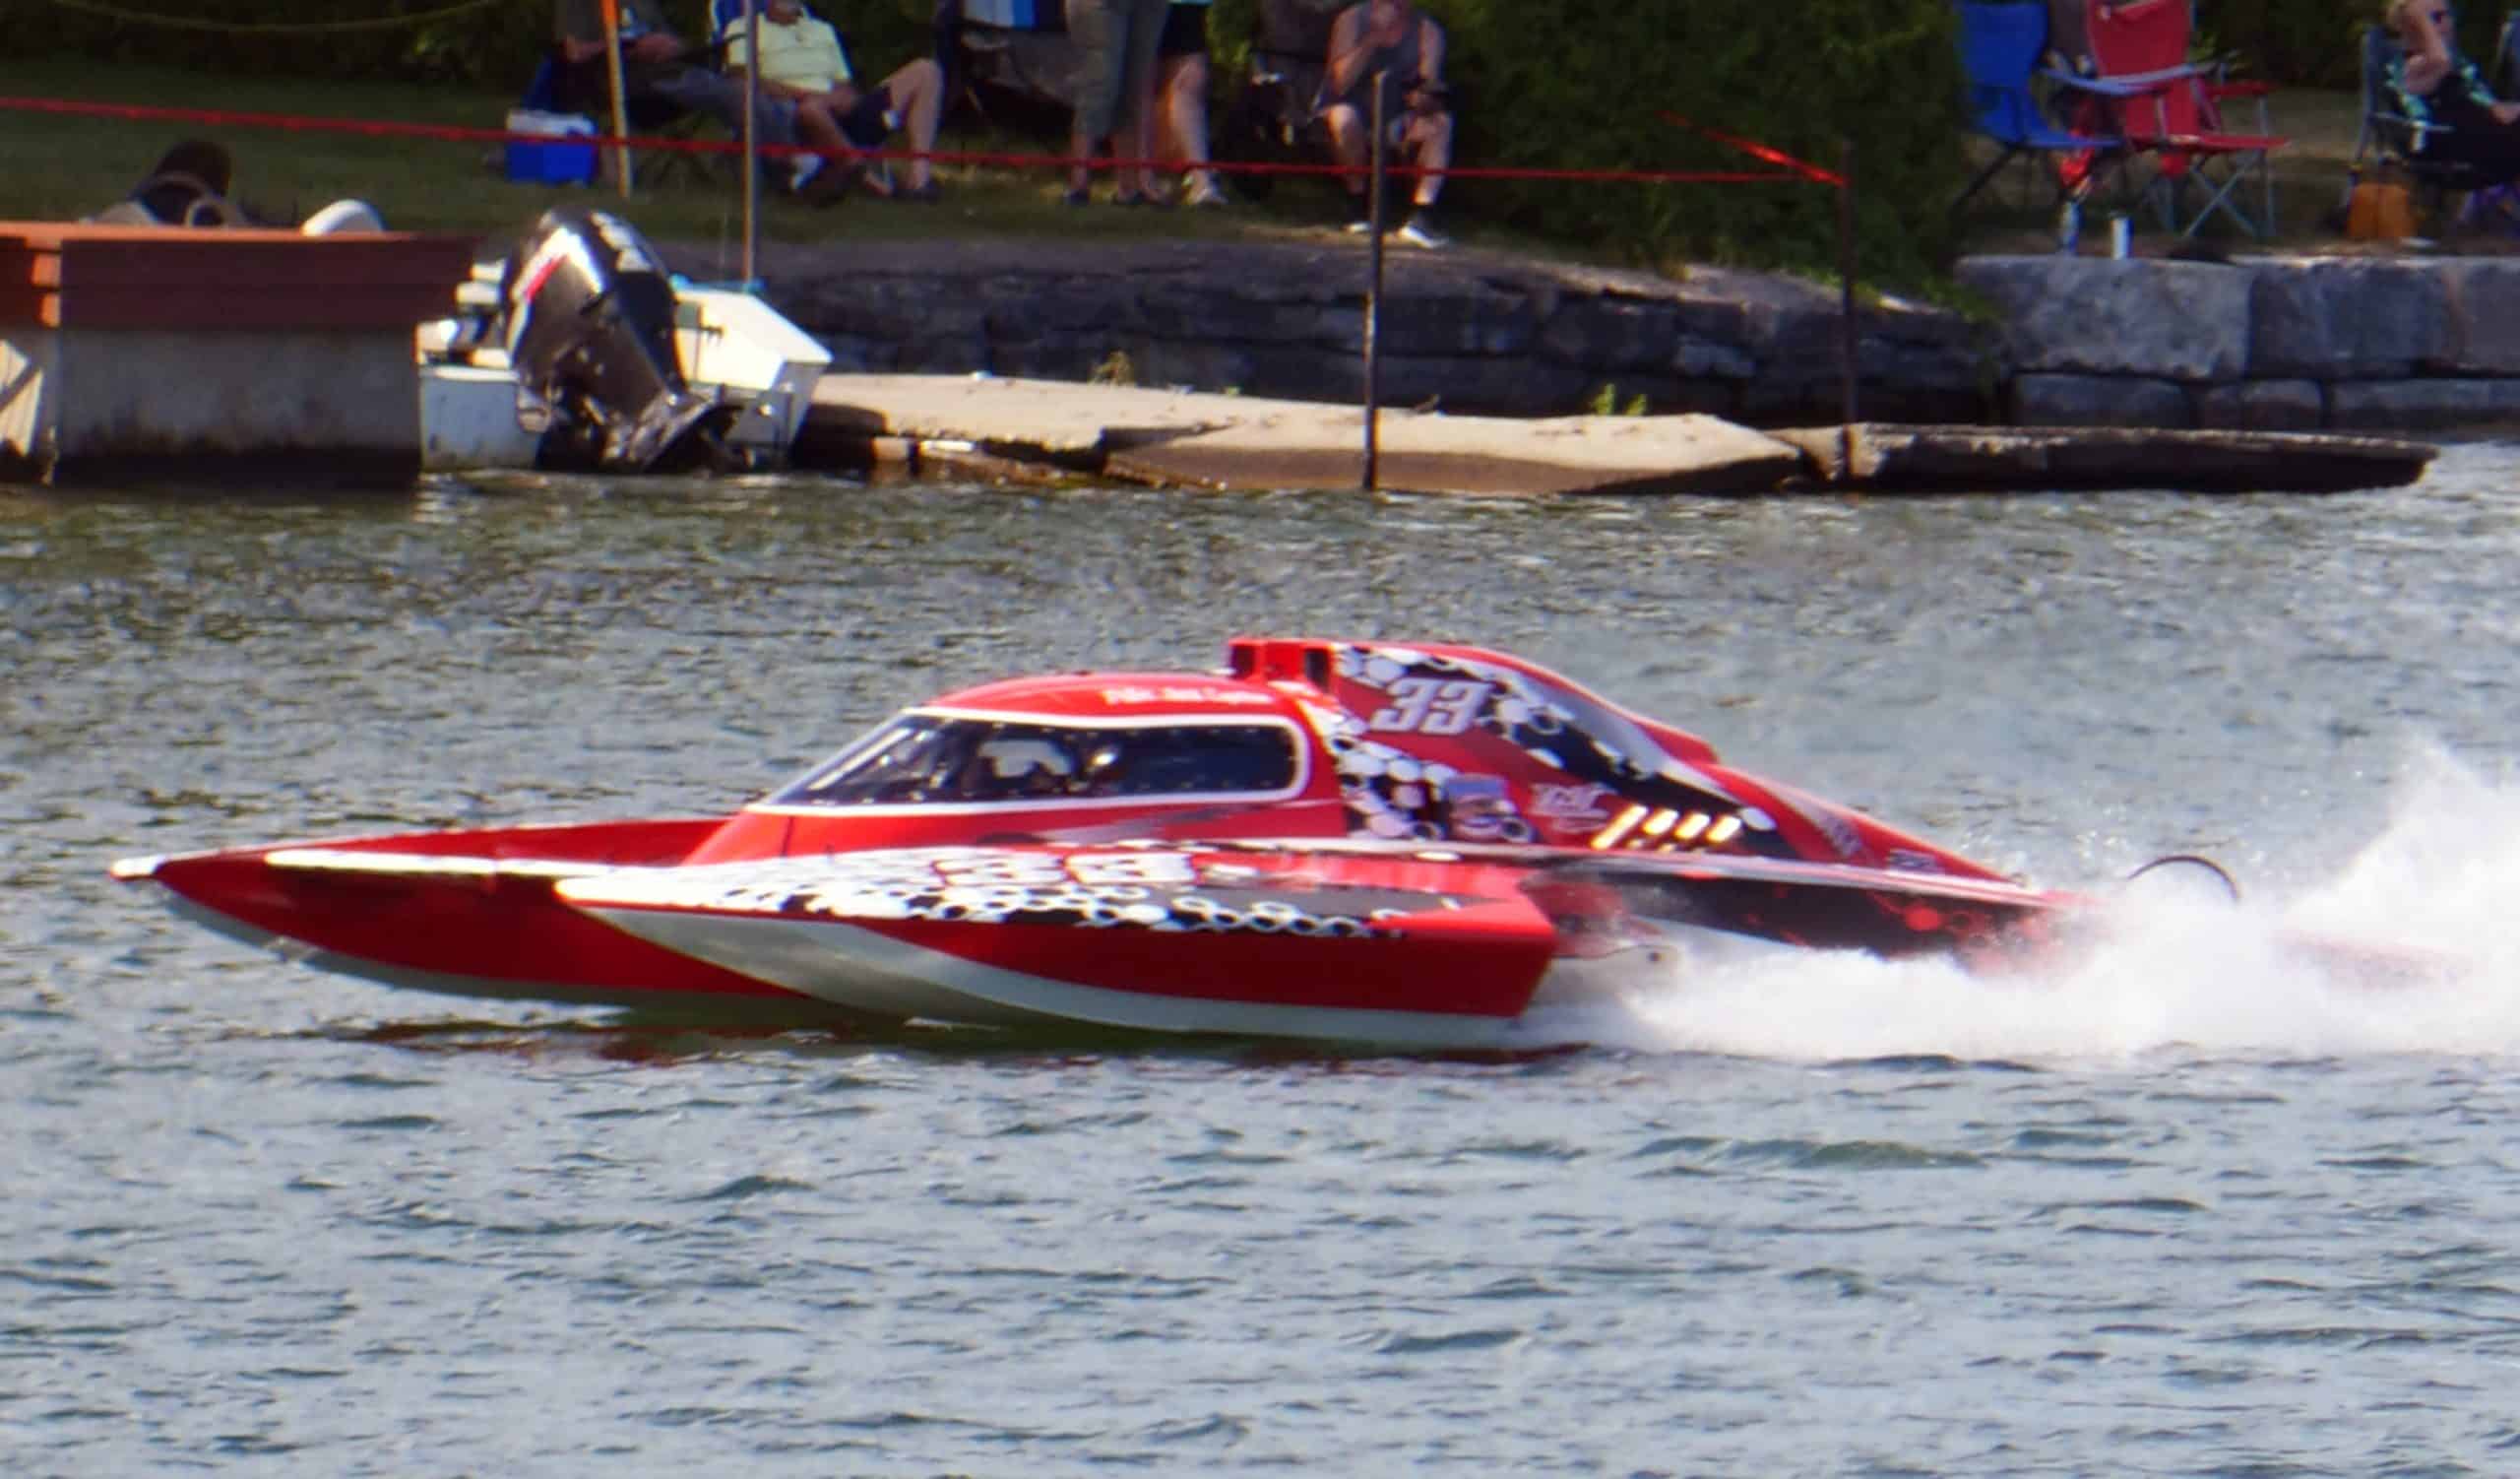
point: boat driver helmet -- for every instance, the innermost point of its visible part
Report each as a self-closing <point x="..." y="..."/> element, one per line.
<point x="1026" y="766"/>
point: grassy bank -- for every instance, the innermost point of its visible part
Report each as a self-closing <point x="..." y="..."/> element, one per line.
<point x="62" y="167"/>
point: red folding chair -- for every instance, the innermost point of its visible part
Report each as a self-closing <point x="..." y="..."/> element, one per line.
<point x="2141" y="85"/>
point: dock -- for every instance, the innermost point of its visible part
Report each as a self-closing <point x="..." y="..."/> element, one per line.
<point x="238" y="357"/>
<point x="1036" y="431"/>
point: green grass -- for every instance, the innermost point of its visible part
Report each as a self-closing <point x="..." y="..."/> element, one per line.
<point x="62" y="167"/>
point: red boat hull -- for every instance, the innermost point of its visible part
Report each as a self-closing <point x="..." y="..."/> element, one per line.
<point x="467" y="913"/>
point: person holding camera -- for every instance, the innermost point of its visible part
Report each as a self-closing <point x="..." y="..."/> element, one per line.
<point x="1395" y="44"/>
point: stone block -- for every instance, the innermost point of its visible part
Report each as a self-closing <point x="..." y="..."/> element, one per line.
<point x="2263" y="406"/>
<point x="2184" y="321"/>
<point x="2348" y="318"/>
<point x="1183" y="310"/>
<point x="2423" y="405"/>
<point x="2484" y="296"/>
<point x="1611" y="334"/>
<point x="1456" y="323"/>
<point x="2053" y="400"/>
<point x="1047" y="306"/>
<point x="1698" y="359"/>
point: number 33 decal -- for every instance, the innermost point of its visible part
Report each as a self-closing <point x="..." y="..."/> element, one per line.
<point x="1432" y="706"/>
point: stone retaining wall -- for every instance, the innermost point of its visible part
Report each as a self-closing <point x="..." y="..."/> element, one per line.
<point x="2268" y="344"/>
<point x="2272" y="344"/>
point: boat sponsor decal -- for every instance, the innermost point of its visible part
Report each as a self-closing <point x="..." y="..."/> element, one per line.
<point x="1480" y="808"/>
<point x="1132" y="695"/>
<point x="1164" y="889"/>
<point x="1578" y="808"/>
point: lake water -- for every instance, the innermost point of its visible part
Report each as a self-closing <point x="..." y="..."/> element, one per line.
<point x="2181" y="1211"/>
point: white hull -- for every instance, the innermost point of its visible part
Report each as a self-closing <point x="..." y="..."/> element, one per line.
<point x="864" y="971"/>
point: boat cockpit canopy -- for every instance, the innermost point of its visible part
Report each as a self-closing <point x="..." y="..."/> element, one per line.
<point x="925" y="759"/>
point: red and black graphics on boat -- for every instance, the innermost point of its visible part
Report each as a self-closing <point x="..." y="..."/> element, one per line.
<point x="1166" y="887"/>
<point x="1499" y="719"/>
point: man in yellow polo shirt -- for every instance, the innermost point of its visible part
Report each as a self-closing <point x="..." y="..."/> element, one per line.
<point x="803" y="62"/>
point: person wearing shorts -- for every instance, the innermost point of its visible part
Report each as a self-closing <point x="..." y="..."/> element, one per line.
<point x="1395" y="40"/>
<point x="1181" y="99"/>
<point x="1114" y="93"/>
<point x="804" y="66"/>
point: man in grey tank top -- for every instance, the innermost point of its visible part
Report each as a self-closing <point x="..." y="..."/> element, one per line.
<point x="1395" y="40"/>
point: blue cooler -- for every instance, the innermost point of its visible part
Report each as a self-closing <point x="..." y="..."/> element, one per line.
<point x="554" y="164"/>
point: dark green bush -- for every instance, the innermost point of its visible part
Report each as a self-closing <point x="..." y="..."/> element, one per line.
<point x="1559" y="82"/>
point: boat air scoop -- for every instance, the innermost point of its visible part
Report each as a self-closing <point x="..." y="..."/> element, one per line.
<point x="589" y="331"/>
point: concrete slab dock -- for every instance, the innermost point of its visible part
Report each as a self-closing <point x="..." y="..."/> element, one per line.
<point x="1191" y="439"/>
<point x="1029" y="429"/>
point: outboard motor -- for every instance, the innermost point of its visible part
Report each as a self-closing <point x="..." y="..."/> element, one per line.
<point x="589" y="331"/>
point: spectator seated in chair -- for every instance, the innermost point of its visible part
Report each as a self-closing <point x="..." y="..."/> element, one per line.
<point x="2461" y="122"/>
<point x="1394" y="40"/>
<point x="662" y="76"/>
<point x="804" y="66"/>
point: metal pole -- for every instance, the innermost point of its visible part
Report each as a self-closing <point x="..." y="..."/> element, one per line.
<point x="1847" y="410"/>
<point x="620" y="104"/>
<point x="752" y="142"/>
<point x="1373" y="475"/>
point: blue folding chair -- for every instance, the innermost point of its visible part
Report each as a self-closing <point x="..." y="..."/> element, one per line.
<point x="2390" y="140"/>
<point x="2000" y="45"/>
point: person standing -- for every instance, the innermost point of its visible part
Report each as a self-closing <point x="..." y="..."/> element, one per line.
<point x="1181" y="99"/>
<point x="1396" y="42"/>
<point x="1115" y="95"/>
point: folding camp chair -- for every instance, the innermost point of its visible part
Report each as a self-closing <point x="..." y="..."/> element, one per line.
<point x="2387" y="139"/>
<point x="2000" y="46"/>
<point x="1271" y="118"/>
<point x="2142" y="83"/>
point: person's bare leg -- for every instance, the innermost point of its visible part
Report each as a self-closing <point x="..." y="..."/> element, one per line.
<point x="1430" y="143"/>
<point x="917" y="89"/>
<point x="1080" y="151"/>
<point x="818" y="131"/>
<point x="1347" y="146"/>
<point x="1184" y="120"/>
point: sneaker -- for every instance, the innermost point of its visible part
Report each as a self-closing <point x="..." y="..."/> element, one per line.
<point x="806" y="168"/>
<point x="1078" y="195"/>
<point x="1420" y="231"/>
<point x="925" y="195"/>
<point x="1207" y="195"/>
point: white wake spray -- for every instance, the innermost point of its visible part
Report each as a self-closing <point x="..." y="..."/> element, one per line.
<point x="2407" y="949"/>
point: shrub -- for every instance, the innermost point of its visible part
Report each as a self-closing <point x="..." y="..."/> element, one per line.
<point x="1558" y="83"/>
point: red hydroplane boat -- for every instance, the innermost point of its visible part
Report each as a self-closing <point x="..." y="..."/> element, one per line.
<point x="1415" y="844"/>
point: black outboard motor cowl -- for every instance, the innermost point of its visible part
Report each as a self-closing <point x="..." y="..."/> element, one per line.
<point x="590" y="331"/>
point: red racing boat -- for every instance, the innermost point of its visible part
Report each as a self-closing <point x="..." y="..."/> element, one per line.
<point x="1419" y="844"/>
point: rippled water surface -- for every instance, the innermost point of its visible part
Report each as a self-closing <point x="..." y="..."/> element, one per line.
<point x="2182" y="1211"/>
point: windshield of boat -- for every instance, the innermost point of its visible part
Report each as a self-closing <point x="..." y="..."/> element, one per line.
<point x="929" y="759"/>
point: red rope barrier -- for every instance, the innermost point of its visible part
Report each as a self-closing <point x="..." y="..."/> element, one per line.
<point x="1793" y="171"/>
